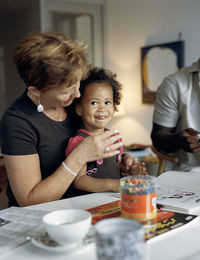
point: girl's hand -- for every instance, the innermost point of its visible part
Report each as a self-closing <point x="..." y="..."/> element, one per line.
<point x="131" y="166"/>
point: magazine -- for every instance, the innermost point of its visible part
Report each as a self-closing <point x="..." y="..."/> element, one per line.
<point x="167" y="221"/>
<point x="179" y="191"/>
<point x="108" y="210"/>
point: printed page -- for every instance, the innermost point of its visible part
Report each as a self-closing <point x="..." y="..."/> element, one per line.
<point x="185" y="180"/>
<point x="16" y="224"/>
<point x="177" y="198"/>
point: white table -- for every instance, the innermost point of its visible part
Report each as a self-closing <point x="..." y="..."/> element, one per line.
<point x="183" y="244"/>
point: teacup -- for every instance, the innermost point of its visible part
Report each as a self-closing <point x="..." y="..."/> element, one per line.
<point x="67" y="226"/>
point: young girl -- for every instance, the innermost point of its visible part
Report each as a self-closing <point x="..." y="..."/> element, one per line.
<point x="100" y="96"/>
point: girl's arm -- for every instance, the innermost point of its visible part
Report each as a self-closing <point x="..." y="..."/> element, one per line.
<point x="91" y="184"/>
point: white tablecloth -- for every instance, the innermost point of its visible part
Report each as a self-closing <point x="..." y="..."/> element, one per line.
<point x="183" y="244"/>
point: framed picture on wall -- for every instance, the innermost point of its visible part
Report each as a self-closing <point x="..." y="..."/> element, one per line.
<point x="158" y="61"/>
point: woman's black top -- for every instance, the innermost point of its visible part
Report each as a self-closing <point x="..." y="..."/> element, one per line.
<point x="25" y="131"/>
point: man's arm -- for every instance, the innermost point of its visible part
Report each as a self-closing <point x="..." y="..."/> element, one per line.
<point x="167" y="140"/>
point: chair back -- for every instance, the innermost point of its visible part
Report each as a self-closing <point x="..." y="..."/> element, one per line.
<point x="3" y="185"/>
<point x="162" y="159"/>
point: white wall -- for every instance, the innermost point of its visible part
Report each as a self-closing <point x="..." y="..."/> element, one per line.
<point x="128" y="26"/>
<point x="132" y="24"/>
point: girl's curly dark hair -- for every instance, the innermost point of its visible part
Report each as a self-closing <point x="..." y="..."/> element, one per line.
<point x="99" y="75"/>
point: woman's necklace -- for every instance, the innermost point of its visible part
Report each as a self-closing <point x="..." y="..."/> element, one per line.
<point x="60" y="117"/>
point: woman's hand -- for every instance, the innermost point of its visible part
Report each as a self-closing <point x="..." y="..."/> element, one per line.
<point x="99" y="146"/>
<point x="131" y="166"/>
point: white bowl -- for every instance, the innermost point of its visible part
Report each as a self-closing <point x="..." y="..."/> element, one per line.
<point x="67" y="226"/>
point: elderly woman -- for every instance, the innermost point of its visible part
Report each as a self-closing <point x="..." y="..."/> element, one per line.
<point x="35" y="129"/>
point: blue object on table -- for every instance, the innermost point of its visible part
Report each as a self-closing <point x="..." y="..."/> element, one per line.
<point x="140" y="153"/>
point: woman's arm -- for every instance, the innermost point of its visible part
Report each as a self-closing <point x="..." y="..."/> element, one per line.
<point x="25" y="176"/>
<point x="27" y="185"/>
<point x="91" y="184"/>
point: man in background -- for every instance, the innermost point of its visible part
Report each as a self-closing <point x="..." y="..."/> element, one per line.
<point x="176" y="118"/>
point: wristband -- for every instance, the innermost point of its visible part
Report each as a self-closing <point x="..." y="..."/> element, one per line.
<point x="68" y="169"/>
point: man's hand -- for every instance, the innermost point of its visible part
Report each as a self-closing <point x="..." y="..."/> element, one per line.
<point x="189" y="140"/>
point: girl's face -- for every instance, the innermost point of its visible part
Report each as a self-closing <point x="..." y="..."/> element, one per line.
<point x="61" y="96"/>
<point x="96" y="108"/>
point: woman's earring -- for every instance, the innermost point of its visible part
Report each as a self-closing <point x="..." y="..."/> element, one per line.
<point x="40" y="107"/>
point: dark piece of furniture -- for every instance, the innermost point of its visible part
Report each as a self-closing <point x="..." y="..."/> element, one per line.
<point x="162" y="158"/>
<point x="3" y="185"/>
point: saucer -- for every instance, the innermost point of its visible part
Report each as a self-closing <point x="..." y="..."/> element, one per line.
<point x="42" y="240"/>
